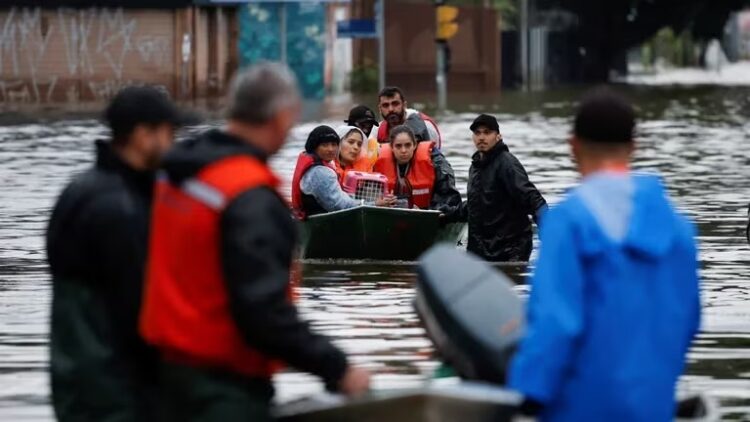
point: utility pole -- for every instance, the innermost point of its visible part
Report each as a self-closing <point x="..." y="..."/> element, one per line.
<point x="447" y="28"/>
<point x="380" y="22"/>
<point x="524" y="29"/>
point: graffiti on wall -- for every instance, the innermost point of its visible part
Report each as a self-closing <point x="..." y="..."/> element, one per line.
<point x="40" y="48"/>
<point x="260" y="39"/>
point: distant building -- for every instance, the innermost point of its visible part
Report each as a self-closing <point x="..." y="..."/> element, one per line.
<point x="71" y="52"/>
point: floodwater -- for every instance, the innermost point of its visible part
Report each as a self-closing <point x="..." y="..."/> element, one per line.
<point x="696" y="137"/>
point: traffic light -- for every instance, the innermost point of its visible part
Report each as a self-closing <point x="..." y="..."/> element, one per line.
<point x="447" y="27"/>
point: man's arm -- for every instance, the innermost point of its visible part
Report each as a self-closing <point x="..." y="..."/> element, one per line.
<point x="445" y="196"/>
<point x="321" y="182"/>
<point x="115" y="229"/>
<point x="524" y="191"/>
<point x="257" y="240"/>
<point x="555" y="314"/>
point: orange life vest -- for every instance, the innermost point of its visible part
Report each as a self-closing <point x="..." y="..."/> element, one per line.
<point x="303" y="207"/>
<point x="362" y="163"/>
<point x="420" y="176"/>
<point x="384" y="130"/>
<point x="185" y="310"/>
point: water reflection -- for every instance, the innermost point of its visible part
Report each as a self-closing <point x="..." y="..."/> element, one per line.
<point x="695" y="137"/>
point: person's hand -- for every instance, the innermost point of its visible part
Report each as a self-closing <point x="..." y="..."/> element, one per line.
<point x="356" y="382"/>
<point x="386" y="201"/>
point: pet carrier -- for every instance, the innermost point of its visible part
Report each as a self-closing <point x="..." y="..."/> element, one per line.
<point x="368" y="187"/>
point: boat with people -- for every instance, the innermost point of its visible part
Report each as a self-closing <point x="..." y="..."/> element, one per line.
<point x="368" y="232"/>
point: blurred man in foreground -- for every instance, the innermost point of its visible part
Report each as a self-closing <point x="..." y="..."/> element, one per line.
<point x="218" y="302"/>
<point x="615" y="299"/>
<point x="101" y="370"/>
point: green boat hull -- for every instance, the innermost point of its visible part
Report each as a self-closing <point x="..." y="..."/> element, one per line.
<point x="367" y="232"/>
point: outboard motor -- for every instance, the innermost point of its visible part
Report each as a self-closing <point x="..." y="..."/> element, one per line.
<point x="470" y="312"/>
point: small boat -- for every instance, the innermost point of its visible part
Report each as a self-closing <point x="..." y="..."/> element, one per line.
<point x="465" y="401"/>
<point x="368" y="232"/>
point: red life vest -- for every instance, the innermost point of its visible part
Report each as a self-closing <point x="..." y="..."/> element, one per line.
<point x="384" y="130"/>
<point x="305" y="162"/>
<point x="420" y="176"/>
<point x="185" y="310"/>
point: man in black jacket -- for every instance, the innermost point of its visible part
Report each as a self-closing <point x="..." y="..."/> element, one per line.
<point x="100" y="368"/>
<point x="217" y="302"/>
<point x="500" y="198"/>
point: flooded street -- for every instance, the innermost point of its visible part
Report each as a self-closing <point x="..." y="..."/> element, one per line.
<point x="697" y="138"/>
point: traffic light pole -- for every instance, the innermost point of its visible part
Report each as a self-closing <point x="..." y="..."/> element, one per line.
<point x="441" y="77"/>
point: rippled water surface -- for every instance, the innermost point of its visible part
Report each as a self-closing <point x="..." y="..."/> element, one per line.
<point x="697" y="138"/>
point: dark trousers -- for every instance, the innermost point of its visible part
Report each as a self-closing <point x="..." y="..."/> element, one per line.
<point x="202" y="395"/>
<point x="518" y="250"/>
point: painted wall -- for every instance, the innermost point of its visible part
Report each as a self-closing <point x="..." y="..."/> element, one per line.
<point x="67" y="55"/>
<point x="306" y="32"/>
<point x="64" y="56"/>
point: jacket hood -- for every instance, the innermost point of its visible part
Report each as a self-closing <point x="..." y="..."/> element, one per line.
<point x="654" y="226"/>
<point x="188" y="157"/>
<point x="631" y="210"/>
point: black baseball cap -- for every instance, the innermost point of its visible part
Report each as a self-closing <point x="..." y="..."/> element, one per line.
<point x="361" y="113"/>
<point x="137" y="105"/>
<point x="490" y="122"/>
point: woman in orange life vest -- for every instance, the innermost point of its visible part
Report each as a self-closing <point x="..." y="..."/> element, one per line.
<point x="353" y="154"/>
<point x="315" y="185"/>
<point x="418" y="172"/>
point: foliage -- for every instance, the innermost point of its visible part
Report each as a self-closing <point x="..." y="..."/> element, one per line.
<point x="363" y="79"/>
<point x="508" y="10"/>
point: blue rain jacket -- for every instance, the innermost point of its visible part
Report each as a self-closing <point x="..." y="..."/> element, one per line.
<point x="614" y="304"/>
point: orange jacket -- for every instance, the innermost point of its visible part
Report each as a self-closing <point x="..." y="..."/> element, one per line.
<point x="420" y="178"/>
<point x="185" y="311"/>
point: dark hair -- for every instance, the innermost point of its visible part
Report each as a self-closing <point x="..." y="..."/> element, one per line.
<point x="391" y="91"/>
<point x="320" y="135"/>
<point x="398" y="130"/>
<point x="133" y="106"/>
<point x="604" y="117"/>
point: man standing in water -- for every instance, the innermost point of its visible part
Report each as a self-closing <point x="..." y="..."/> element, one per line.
<point x="101" y="370"/>
<point x="500" y="198"/>
<point x="218" y="302"/>
<point x="615" y="299"/>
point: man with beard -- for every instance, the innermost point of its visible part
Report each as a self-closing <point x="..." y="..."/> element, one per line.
<point x="394" y="109"/>
<point x="500" y="198"/>
<point x="101" y="370"/>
